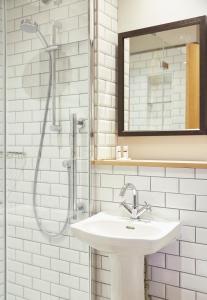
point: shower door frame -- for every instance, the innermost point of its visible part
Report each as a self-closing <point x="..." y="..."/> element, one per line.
<point x="4" y="94"/>
<point x="91" y="97"/>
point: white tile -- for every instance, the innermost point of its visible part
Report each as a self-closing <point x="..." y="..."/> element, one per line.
<point x="193" y="282"/>
<point x="172" y="248"/>
<point x="180" y="201"/>
<point x="193" y="250"/>
<point x="31" y="294"/>
<point x="180" y="172"/>
<point x="190" y="186"/>
<point x="32" y="271"/>
<point x="188" y="233"/>
<point x="79" y="270"/>
<point x="78" y="295"/>
<point x="113" y="181"/>
<point x="50" y="276"/>
<point x="153" y="198"/>
<point x="148" y="171"/>
<point x="173" y="293"/>
<point x="50" y="251"/>
<point x="69" y="255"/>
<point x="193" y="218"/>
<point x="140" y="182"/>
<point x="201" y="173"/>
<point x="24" y="280"/>
<point x="201" y="268"/>
<point x="41" y="285"/>
<point x="182" y="264"/>
<point x="157" y="289"/>
<point x="201" y="203"/>
<point x="125" y="170"/>
<point x="164" y="184"/>
<point x="69" y="281"/>
<point x="60" y="266"/>
<point x="165" y="276"/>
<point x="156" y="260"/>
<point x="201" y="235"/>
<point x="169" y="214"/>
<point x="103" y="194"/>
<point x="41" y="261"/>
<point x="201" y="296"/>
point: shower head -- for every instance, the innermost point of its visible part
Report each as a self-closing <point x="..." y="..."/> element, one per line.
<point x="29" y="26"/>
<point x="32" y="27"/>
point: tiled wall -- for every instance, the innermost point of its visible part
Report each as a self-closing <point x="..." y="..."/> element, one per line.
<point x="39" y="268"/>
<point x="157" y="95"/>
<point x="177" y="272"/>
<point x="105" y="78"/>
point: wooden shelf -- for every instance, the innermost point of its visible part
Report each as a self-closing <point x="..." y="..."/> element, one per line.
<point x="154" y="163"/>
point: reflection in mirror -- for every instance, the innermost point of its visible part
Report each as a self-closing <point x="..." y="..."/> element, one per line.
<point x="161" y="81"/>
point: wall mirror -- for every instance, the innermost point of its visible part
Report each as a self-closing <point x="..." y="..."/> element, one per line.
<point x="162" y="73"/>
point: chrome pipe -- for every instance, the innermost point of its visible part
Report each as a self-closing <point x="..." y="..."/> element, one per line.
<point x="53" y="48"/>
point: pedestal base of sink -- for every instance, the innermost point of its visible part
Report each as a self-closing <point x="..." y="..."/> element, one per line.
<point x="127" y="277"/>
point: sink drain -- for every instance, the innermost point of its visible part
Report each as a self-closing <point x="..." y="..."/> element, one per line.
<point x="130" y="227"/>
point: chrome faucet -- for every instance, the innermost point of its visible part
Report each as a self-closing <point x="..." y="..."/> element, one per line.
<point x="134" y="210"/>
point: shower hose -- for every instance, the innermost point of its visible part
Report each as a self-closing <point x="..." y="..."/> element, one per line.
<point x="42" y="229"/>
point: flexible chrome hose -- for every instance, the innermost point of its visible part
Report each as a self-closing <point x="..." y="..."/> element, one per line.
<point x="43" y="230"/>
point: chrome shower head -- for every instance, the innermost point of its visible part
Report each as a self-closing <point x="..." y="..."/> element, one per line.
<point x="29" y="26"/>
<point x="32" y="27"/>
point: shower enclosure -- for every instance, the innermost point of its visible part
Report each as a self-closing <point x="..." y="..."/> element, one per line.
<point x="45" y="106"/>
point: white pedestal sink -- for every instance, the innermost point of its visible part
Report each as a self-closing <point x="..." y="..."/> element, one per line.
<point x="127" y="242"/>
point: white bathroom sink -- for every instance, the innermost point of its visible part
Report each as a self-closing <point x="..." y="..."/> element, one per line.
<point x="115" y="234"/>
<point x="127" y="241"/>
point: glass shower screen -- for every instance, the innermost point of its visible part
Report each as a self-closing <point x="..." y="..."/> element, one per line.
<point x="47" y="173"/>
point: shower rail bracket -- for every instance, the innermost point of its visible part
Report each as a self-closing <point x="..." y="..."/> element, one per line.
<point x="52" y="48"/>
<point x="81" y="123"/>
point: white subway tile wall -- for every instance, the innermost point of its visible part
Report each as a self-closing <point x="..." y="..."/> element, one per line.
<point x="106" y="41"/>
<point x="47" y="270"/>
<point x="39" y="268"/>
<point x="177" y="272"/>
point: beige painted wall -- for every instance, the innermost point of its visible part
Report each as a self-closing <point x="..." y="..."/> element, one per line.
<point x="134" y="14"/>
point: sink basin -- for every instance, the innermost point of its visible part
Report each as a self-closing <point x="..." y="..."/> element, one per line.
<point x="127" y="241"/>
<point x="115" y="234"/>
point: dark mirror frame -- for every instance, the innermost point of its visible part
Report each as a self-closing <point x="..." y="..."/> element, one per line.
<point x="202" y="22"/>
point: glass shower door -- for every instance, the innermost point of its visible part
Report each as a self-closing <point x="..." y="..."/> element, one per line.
<point x="44" y="36"/>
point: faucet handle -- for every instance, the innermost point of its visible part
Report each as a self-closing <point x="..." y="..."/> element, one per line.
<point x="148" y="206"/>
<point x="126" y="206"/>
